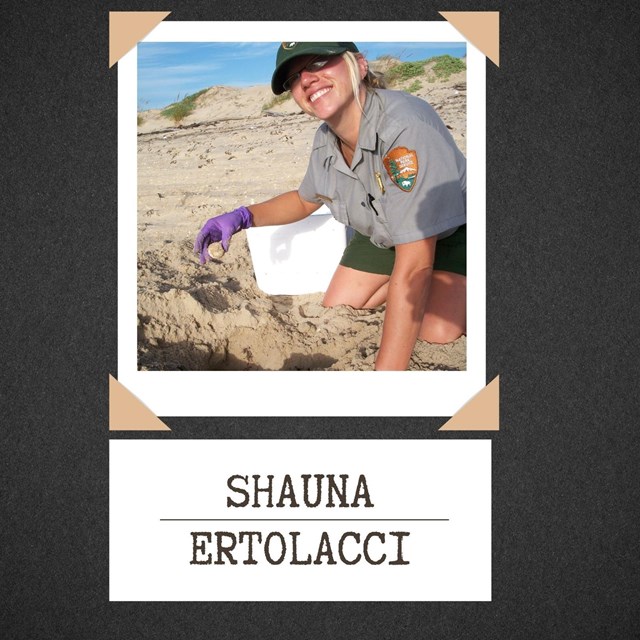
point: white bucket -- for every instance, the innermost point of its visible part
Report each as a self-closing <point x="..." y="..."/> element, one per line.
<point x="297" y="258"/>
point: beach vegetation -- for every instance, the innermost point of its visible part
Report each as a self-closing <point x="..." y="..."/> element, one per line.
<point x="276" y="100"/>
<point x="439" y="68"/>
<point x="178" y="111"/>
<point x="404" y="71"/>
<point x="447" y="65"/>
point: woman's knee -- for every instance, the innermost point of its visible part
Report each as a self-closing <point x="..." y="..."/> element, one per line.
<point x="439" y="331"/>
<point x="445" y="319"/>
<point x="356" y="289"/>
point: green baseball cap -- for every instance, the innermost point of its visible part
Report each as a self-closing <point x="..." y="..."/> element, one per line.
<point x="290" y="50"/>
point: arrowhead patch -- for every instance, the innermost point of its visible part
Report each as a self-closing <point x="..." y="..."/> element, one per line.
<point x="402" y="166"/>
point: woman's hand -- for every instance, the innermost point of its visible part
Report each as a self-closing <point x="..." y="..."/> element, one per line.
<point x="220" y="229"/>
<point x="406" y="303"/>
<point x="283" y="209"/>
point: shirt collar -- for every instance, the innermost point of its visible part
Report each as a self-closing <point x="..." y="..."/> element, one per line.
<point x="368" y="134"/>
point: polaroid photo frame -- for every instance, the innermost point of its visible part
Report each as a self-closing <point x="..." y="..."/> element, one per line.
<point x="305" y="393"/>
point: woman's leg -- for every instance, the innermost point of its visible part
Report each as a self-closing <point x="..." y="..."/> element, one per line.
<point x="358" y="289"/>
<point x="445" y="319"/>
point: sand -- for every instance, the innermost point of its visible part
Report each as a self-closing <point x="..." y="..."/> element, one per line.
<point x="227" y="153"/>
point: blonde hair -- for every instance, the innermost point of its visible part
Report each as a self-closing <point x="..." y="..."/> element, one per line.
<point x="372" y="80"/>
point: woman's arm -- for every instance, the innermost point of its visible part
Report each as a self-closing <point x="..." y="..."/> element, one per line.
<point x="406" y="303"/>
<point x="283" y="209"/>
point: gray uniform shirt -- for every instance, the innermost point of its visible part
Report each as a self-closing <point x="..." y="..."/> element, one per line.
<point x="407" y="180"/>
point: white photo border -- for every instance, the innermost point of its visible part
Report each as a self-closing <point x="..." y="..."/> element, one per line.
<point x="307" y="393"/>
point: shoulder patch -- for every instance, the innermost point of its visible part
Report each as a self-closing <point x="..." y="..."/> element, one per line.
<point x="402" y="166"/>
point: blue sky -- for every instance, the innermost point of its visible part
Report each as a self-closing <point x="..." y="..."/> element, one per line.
<point x="168" y="71"/>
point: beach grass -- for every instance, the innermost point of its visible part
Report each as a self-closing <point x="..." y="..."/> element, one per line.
<point x="439" y="67"/>
<point x="276" y="100"/>
<point x="178" y="111"/>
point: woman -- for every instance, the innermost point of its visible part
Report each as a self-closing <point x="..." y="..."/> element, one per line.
<point x="386" y="165"/>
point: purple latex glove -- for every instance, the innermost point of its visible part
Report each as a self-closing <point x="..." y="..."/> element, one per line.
<point x="220" y="229"/>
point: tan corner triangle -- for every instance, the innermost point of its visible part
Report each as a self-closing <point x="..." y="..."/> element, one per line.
<point x="481" y="413"/>
<point x="127" y="413"/>
<point x="127" y="28"/>
<point x="480" y="28"/>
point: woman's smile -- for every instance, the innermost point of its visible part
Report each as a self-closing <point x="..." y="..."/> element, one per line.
<point x="318" y="94"/>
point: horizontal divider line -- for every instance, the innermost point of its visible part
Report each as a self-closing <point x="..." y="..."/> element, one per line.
<point x="304" y="519"/>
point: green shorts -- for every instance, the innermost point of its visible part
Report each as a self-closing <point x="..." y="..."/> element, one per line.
<point x="361" y="254"/>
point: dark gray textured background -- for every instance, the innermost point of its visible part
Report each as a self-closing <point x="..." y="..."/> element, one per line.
<point x="562" y="313"/>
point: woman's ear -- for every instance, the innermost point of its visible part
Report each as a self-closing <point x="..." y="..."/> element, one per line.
<point x="363" y="65"/>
